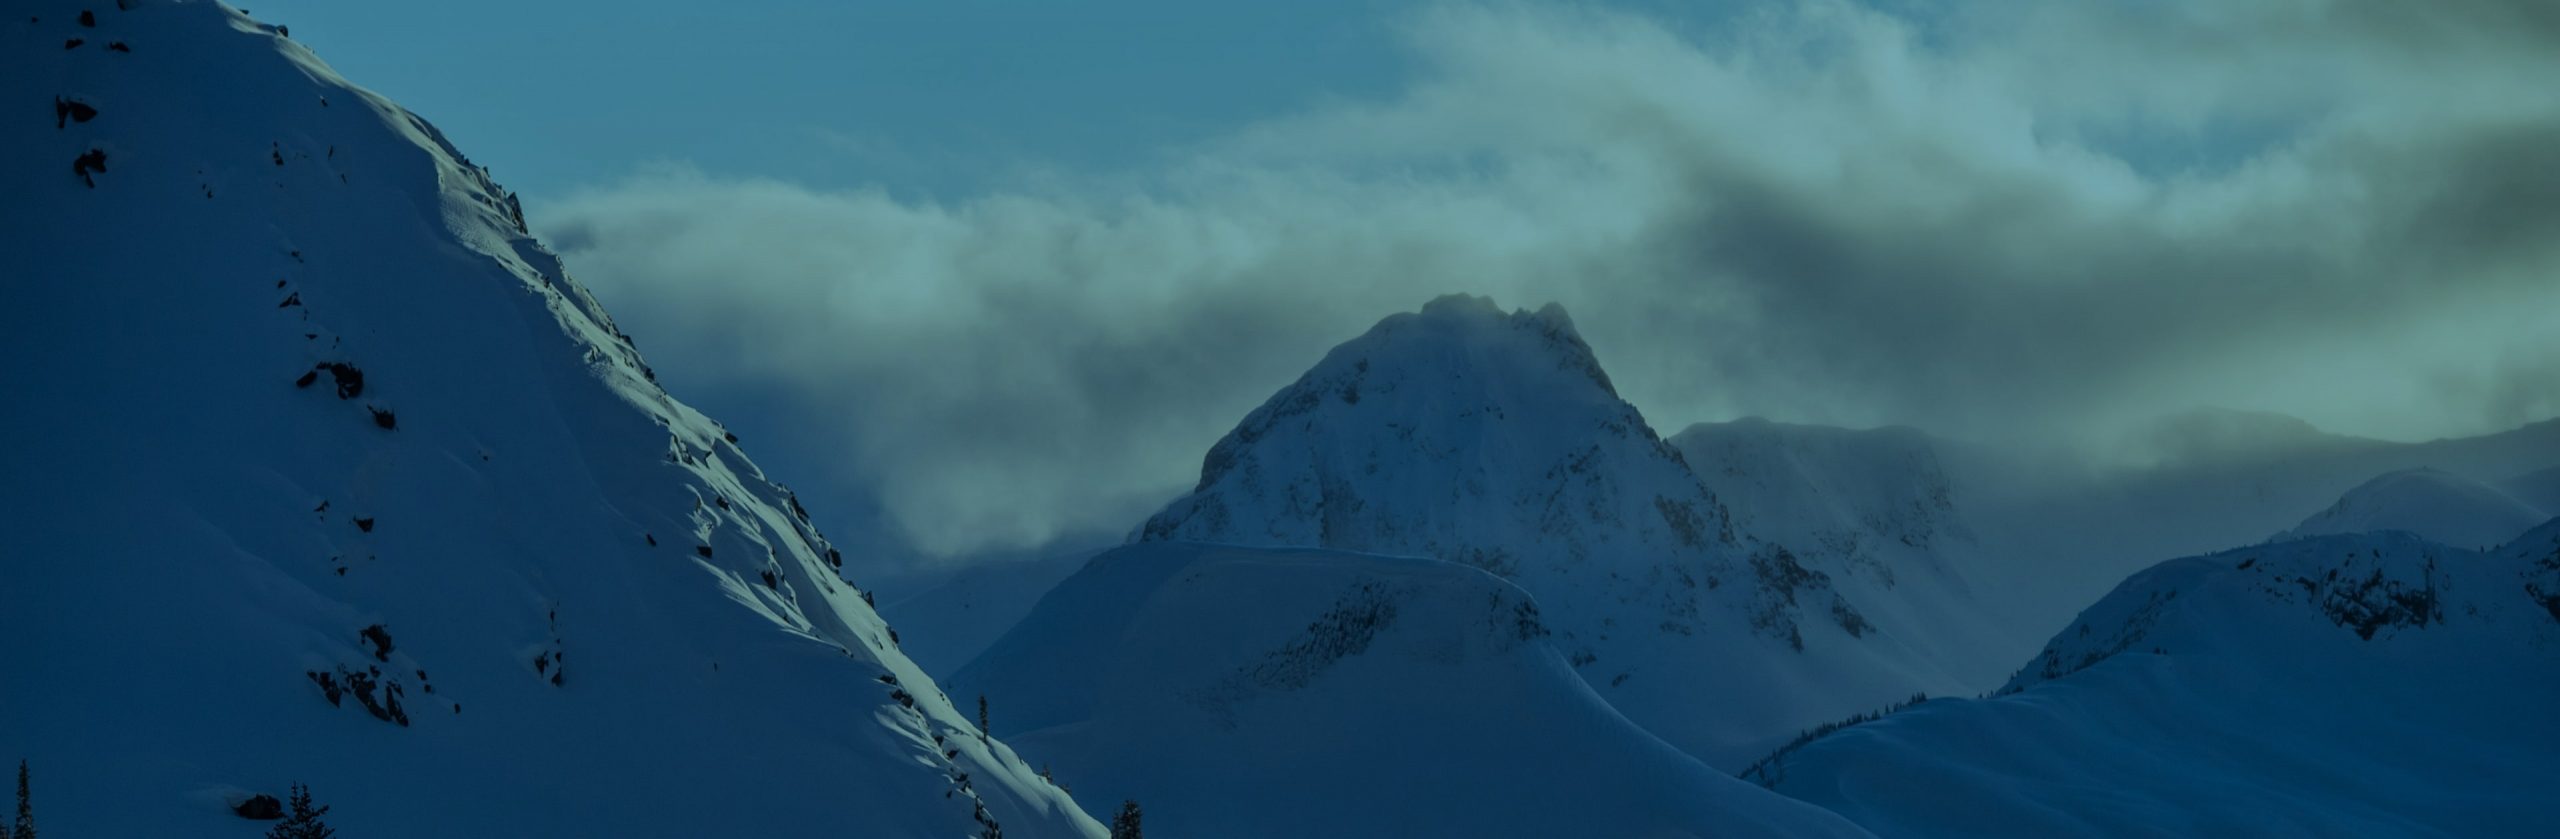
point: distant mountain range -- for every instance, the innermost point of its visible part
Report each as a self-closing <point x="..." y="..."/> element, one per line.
<point x="1734" y="590"/>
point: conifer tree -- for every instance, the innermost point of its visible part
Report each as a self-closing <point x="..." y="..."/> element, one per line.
<point x="25" y="826"/>
<point x="1125" y="825"/>
<point x="302" y="821"/>
<point x="982" y="716"/>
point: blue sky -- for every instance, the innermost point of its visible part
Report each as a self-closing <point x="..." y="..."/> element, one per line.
<point x="988" y="275"/>
<point x="934" y="97"/>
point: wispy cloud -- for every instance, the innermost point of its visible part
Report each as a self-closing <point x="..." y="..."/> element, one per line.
<point x="1985" y="221"/>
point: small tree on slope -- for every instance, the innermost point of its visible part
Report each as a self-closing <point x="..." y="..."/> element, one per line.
<point x="1125" y="825"/>
<point x="26" y="823"/>
<point x="302" y="821"/>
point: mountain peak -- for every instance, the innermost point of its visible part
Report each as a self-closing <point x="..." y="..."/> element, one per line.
<point x="1461" y="323"/>
<point x="1461" y="306"/>
<point x="1366" y="445"/>
<point x="1494" y="440"/>
<point x="1551" y="316"/>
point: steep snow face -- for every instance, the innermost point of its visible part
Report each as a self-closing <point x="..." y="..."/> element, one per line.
<point x="323" y="471"/>
<point x="1251" y="692"/>
<point x="1874" y="510"/>
<point x="2433" y="503"/>
<point x="1494" y="440"/>
<point x="2372" y="684"/>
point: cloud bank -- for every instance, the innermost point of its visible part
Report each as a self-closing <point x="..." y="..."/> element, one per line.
<point x="1986" y="220"/>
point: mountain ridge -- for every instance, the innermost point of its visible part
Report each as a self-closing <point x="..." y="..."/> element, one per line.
<point x="343" y="480"/>
<point x="2376" y="683"/>
<point x="2434" y="503"/>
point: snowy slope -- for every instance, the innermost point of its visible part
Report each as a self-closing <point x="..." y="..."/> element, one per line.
<point x="1257" y="692"/>
<point x="2361" y="685"/>
<point x="2539" y="489"/>
<point x="1494" y="439"/>
<point x="948" y="623"/>
<point x="322" y="470"/>
<point x="2432" y="503"/>
<point x="1876" y="511"/>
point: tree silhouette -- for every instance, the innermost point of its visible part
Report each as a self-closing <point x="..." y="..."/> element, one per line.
<point x="25" y="827"/>
<point x="302" y="821"/>
<point x="1125" y="825"/>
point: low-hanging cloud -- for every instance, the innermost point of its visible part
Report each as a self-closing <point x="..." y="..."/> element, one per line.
<point x="1982" y="222"/>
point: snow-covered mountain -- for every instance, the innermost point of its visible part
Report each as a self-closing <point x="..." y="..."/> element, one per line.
<point x="2062" y="534"/>
<point x="1876" y="511"/>
<point x="1494" y="440"/>
<point x="2367" y="685"/>
<point x="1250" y="692"/>
<point x="2432" y="503"/>
<point x="321" y="468"/>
